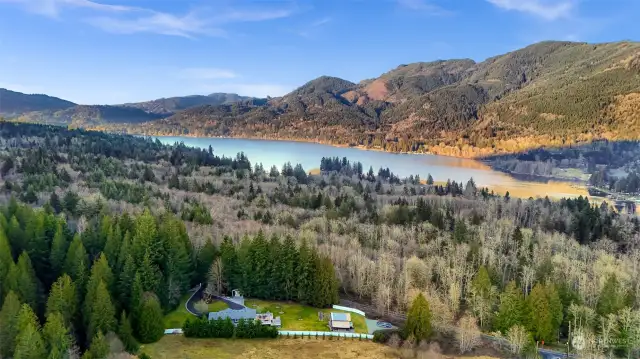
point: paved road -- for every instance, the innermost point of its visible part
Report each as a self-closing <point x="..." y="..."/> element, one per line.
<point x="550" y="354"/>
<point x="195" y="297"/>
<point x="233" y="305"/>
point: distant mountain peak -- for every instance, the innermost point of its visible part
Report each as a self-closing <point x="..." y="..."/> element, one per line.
<point x="324" y="84"/>
<point x="549" y="93"/>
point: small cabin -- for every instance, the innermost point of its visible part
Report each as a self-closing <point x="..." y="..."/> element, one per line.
<point x="341" y="322"/>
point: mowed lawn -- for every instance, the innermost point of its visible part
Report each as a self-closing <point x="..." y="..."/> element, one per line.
<point x="217" y="305"/>
<point x="179" y="347"/>
<point x="177" y="318"/>
<point x="300" y="317"/>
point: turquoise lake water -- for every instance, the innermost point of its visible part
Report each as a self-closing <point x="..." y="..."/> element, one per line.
<point x="442" y="168"/>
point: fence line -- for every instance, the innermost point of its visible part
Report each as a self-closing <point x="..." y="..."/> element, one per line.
<point x="396" y="318"/>
<point x="302" y="334"/>
<point x="347" y="309"/>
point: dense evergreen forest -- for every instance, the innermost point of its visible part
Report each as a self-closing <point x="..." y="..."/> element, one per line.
<point x="524" y="269"/>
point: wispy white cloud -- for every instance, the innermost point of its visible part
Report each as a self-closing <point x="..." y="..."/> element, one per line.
<point x="320" y="22"/>
<point x="205" y="80"/>
<point x="52" y="8"/>
<point x="188" y="25"/>
<point x="123" y="19"/>
<point x="425" y="6"/>
<point x="250" y="15"/>
<point x="205" y="73"/>
<point x="546" y="9"/>
<point x="312" y="28"/>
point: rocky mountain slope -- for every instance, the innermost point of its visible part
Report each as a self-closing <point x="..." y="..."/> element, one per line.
<point x="547" y="94"/>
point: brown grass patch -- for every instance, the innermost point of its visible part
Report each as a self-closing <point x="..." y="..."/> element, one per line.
<point x="550" y="116"/>
<point x="377" y="90"/>
<point x="179" y="347"/>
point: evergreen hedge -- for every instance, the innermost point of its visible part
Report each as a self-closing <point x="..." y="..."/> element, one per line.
<point x="224" y="328"/>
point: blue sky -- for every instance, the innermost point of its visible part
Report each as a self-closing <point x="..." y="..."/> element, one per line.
<point x="115" y="51"/>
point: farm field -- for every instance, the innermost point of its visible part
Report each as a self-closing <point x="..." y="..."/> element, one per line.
<point x="300" y="317"/>
<point x="179" y="347"/>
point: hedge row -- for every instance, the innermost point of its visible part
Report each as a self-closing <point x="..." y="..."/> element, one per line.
<point x="224" y="328"/>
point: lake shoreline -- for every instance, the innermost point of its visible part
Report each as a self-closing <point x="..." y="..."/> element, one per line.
<point x="484" y="160"/>
<point x="319" y="142"/>
<point x="441" y="168"/>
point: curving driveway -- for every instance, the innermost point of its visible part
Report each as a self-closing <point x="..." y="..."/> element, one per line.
<point x="197" y="296"/>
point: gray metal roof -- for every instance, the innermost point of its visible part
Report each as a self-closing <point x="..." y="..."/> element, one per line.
<point x="246" y="313"/>
<point x="340" y="317"/>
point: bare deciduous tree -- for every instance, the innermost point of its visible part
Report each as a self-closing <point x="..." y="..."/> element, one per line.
<point x="215" y="283"/>
<point x="518" y="338"/>
<point x="468" y="334"/>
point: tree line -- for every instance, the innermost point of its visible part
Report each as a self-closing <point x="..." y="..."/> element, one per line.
<point x="202" y="327"/>
<point x="273" y="270"/>
<point x="112" y="278"/>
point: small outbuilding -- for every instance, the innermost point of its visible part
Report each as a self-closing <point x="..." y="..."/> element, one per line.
<point x="341" y="322"/>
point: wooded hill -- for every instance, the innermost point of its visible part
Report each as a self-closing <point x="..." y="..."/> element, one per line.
<point x="12" y="102"/>
<point x="51" y="110"/>
<point x="171" y="105"/>
<point x="547" y="94"/>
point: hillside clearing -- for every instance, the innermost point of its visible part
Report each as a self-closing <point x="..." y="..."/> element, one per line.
<point x="300" y="317"/>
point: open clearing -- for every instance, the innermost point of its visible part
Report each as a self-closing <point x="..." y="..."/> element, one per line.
<point x="300" y="317"/>
<point x="179" y="347"/>
<point x="176" y="318"/>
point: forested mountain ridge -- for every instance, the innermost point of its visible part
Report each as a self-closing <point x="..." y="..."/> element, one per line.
<point x="547" y="94"/>
<point x="170" y="105"/>
<point x="51" y="110"/>
<point x="12" y="102"/>
<point x="89" y="116"/>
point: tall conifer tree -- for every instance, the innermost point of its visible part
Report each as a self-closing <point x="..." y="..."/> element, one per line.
<point x="9" y="324"/>
<point x="6" y="261"/>
<point x="59" y="248"/>
<point x="101" y="312"/>
<point x="29" y="342"/>
<point x="511" y="309"/>
<point x="540" y="319"/>
<point x="418" y="323"/>
<point x="63" y="299"/>
<point x="76" y="263"/>
<point x="150" y="326"/>
<point x="57" y="337"/>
